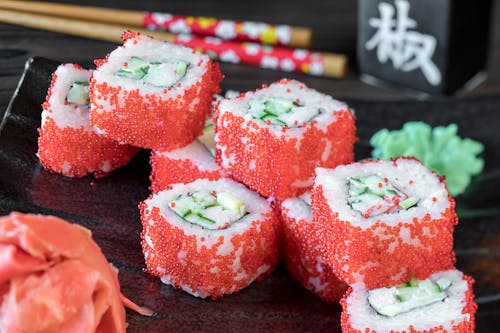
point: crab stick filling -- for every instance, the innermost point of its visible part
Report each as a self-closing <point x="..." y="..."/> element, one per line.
<point x="372" y="195"/>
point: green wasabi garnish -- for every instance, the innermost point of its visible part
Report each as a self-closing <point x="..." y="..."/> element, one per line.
<point x="440" y="149"/>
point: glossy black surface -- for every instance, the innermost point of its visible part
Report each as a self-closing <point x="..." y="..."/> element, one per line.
<point x="109" y="208"/>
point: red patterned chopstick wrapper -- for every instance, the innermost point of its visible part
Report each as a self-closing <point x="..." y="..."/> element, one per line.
<point x="265" y="56"/>
<point x="224" y="29"/>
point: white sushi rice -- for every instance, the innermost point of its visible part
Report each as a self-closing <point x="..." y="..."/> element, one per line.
<point x="447" y="312"/>
<point x="407" y="175"/>
<point x="298" y="208"/>
<point x="196" y="152"/>
<point x="63" y="113"/>
<point x="255" y="205"/>
<point x="152" y="50"/>
<point x="311" y="99"/>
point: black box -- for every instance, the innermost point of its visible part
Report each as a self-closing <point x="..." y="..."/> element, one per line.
<point x="430" y="45"/>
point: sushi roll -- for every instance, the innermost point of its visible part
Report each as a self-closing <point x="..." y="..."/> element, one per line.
<point x="67" y="144"/>
<point x="444" y="302"/>
<point x="271" y="139"/>
<point x="301" y="251"/>
<point x="186" y="164"/>
<point x="384" y="222"/>
<point x="209" y="238"/>
<point x="153" y="94"/>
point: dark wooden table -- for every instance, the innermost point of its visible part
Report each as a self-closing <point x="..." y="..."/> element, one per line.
<point x="334" y="23"/>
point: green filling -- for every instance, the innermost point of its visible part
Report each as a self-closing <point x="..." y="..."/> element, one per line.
<point x="159" y="74"/>
<point x="408" y="203"/>
<point x="207" y="138"/>
<point x="203" y="208"/>
<point x="371" y="195"/>
<point x="440" y="149"/>
<point x="409" y="296"/>
<point x="280" y="111"/>
<point x="79" y="93"/>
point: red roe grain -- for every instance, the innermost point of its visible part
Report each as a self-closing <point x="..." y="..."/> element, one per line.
<point x="301" y="252"/>
<point x="166" y="171"/>
<point x="76" y="152"/>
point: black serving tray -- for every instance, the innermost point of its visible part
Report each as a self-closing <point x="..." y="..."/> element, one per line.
<point x="108" y="207"/>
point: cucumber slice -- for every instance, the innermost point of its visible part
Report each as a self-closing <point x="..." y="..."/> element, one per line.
<point x="230" y="202"/>
<point x="136" y="63"/>
<point x="429" y="287"/>
<point x="181" y="68"/>
<point x="204" y="199"/>
<point x="207" y="138"/>
<point x="198" y="219"/>
<point x="413" y="282"/>
<point x="272" y="109"/>
<point x="278" y="106"/>
<point x="373" y="195"/>
<point x="161" y="75"/>
<point x="79" y="93"/>
<point x="82" y="83"/>
<point x="137" y="75"/>
<point x="356" y="186"/>
<point x="257" y="109"/>
<point x="204" y="208"/>
<point x="136" y="68"/>
<point x="408" y="203"/>
<point x="155" y="73"/>
<point x="406" y="297"/>
<point x="443" y="284"/>
<point x="405" y="293"/>
<point x="390" y="310"/>
<point x="274" y="120"/>
<point x="182" y="205"/>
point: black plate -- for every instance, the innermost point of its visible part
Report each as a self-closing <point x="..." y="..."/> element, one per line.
<point x="109" y="208"/>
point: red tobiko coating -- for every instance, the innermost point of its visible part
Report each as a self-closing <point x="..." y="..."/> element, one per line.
<point x="200" y="267"/>
<point x="464" y="326"/>
<point x="301" y="252"/>
<point x="277" y="166"/>
<point x="166" y="171"/>
<point x="76" y="152"/>
<point x="377" y="256"/>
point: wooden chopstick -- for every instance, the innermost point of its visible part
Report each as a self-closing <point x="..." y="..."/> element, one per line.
<point x="93" y="30"/>
<point x="332" y="65"/>
<point x="298" y="36"/>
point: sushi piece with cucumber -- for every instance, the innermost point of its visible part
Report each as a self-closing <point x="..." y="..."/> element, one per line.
<point x="153" y="94"/>
<point x="443" y="302"/>
<point x="383" y="222"/>
<point x="273" y="138"/>
<point x="209" y="238"/>
<point x="186" y="164"/>
<point x="301" y="250"/>
<point x="67" y="144"/>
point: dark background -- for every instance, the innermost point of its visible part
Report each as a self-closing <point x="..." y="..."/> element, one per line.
<point x="333" y="21"/>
